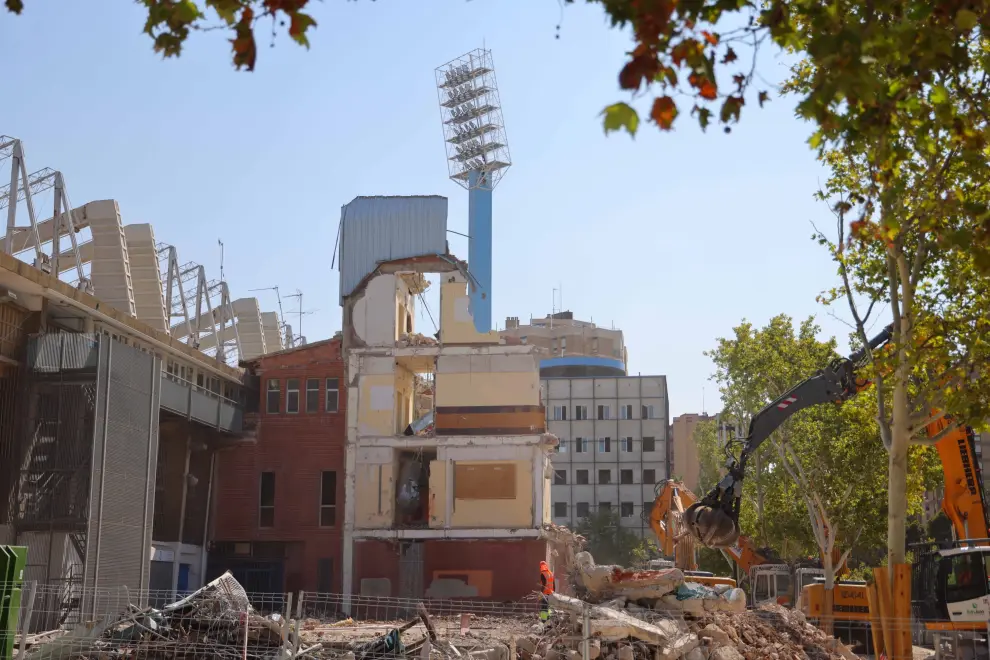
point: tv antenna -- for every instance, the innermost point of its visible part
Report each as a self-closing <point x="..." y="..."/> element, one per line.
<point x="281" y="313"/>
<point x="300" y="314"/>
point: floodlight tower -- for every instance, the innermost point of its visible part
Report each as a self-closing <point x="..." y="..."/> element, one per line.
<point x="477" y="159"/>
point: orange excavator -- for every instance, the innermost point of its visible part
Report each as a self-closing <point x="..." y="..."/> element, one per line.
<point x="950" y="585"/>
<point x="771" y="579"/>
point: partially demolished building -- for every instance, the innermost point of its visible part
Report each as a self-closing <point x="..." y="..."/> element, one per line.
<point x="446" y="495"/>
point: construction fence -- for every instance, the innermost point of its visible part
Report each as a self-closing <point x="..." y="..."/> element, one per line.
<point x="223" y="621"/>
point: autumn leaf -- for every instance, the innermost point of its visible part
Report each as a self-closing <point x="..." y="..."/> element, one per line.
<point x="763" y="98"/>
<point x="639" y="68"/>
<point x="664" y="111"/>
<point x="618" y="116"/>
<point x="710" y="38"/>
<point x="731" y="109"/>
<point x="15" y="6"/>
<point x="297" y="29"/>
<point x="730" y="57"/>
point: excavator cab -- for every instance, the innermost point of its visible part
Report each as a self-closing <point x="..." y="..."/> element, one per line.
<point x="771" y="583"/>
<point x="952" y="585"/>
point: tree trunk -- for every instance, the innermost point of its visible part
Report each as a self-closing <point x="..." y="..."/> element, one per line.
<point x="897" y="467"/>
<point x="828" y="620"/>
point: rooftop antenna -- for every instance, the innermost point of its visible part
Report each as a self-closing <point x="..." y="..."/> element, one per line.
<point x="703" y="400"/>
<point x="222" y="279"/>
<point x="281" y="313"/>
<point x="299" y="294"/>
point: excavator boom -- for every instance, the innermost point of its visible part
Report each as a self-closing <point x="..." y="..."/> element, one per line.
<point x="714" y="520"/>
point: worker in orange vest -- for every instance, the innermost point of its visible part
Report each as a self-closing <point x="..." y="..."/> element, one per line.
<point x="546" y="579"/>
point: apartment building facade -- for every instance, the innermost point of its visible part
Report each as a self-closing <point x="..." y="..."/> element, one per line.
<point x="279" y="503"/>
<point x="449" y="501"/>
<point x="613" y="446"/>
<point x="572" y="348"/>
<point x="684" y="450"/>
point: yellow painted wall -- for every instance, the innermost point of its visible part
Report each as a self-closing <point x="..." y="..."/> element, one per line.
<point x="372" y="418"/>
<point x="498" y="513"/>
<point x="456" y="324"/>
<point x="438" y="493"/>
<point x="405" y="391"/>
<point x="374" y="483"/>
<point x="493" y="388"/>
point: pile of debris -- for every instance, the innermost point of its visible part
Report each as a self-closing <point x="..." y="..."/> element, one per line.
<point x="417" y="339"/>
<point x="658" y="614"/>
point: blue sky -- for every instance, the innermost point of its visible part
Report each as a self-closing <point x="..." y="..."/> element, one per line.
<point x="674" y="238"/>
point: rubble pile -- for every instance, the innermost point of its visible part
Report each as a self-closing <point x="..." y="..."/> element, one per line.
<point x="661" y="615"/>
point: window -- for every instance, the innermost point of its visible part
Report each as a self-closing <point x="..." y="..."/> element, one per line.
<point x="328" y="500"/>
<point x="581" y="477"/>
<point x="560" y="412"/>
<point x="649" y="476"/>
<point x="625" y="412"/>
<point x="626" y="444"/>
<point x="563" y="345"/>
<point x="333" y="395"/>
<point x="553" y="345"/>
<point x="594" y="345"/>
<point x="292" y="395"/>
<point x="604" y="506"/>
<point x="604" y="476"/>
<point x="562" y="446"/>
<point x="522" y="339"/>
<point x="271" y="407"/>
<point x="625" y="476"/>
<point x="604" y="412"/>
<point x="649" y="444"/>
<point x="580" y="412"/>
<point x="324" y="575"/>
<point x="312" y="395"/>
<point x="582" y="509"/>
<point x="647" y="506"/>
<point x="560" y="477"/>
<point x="580" y="445"/>
<point x="626" y="509"/>
<point x="647" y="412"/>
<point x="560" y="509"/>
<point x="266" y="502"/>
<point x="604" y="445"/>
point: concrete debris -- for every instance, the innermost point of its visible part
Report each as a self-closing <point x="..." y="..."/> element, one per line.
<point x="416" y="339"/>
<point x="658" y="615"/>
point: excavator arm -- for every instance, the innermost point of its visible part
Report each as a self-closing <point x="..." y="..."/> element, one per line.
<point x="714" y="520"/>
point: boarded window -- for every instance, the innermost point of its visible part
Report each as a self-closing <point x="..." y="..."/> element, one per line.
<point x="266" y="503"/>
<point x="328" y="499"/>
<point x="489" y="481"/>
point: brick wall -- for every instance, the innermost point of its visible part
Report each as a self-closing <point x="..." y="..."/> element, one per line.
<point x="298" y="448"/>
<point x="515" y="564"/>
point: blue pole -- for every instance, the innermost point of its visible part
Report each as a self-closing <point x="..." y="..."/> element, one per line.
<point x="480" y="249"/>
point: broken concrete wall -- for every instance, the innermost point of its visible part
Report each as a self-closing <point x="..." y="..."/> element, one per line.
<point x="456" y="322"/>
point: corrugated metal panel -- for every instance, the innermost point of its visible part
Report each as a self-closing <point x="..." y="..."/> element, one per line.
<point x="376" y="229"/>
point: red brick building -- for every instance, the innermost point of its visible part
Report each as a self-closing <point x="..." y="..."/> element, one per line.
<point x="279" y="504"/>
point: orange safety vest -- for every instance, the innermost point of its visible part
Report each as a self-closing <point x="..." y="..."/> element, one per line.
<point x="547" y="576"/>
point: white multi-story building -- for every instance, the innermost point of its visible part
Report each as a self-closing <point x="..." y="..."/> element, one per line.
<point x="614" y="446"/>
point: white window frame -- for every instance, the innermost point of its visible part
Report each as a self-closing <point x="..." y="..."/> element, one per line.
<point x="560" y="413"/>
<point x="626" y="444"/>
<point x="580" y="412"/>
<point x="316" y="408"/>
<point x="581" y="445"/>
<point x="561" y="446"/>
<point x="648" y="411"/>
<point x="277" y="390"/>
<point x="605" y="445"/>
<point x="326" y="397"/>
<point x="288" y="394"/>
<point x="604" y="411"/>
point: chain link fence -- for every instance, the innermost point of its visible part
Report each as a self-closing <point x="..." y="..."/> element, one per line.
<point x="222" y="620"/>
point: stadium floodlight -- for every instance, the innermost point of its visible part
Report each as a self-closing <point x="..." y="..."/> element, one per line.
<point x="473" y="130"/>
<point x="477" y="159"/>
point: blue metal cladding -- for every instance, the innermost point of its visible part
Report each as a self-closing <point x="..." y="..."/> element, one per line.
<point x="377" y="229"/>
<point x="480" y="250"/>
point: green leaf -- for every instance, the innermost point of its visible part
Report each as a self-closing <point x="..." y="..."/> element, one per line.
<point x="966" y="20"/>
<point x="939" y="95"/>
<point x="297" y="29"/>
<point x="620" y="115"/>
<point x="186" y="12"/>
